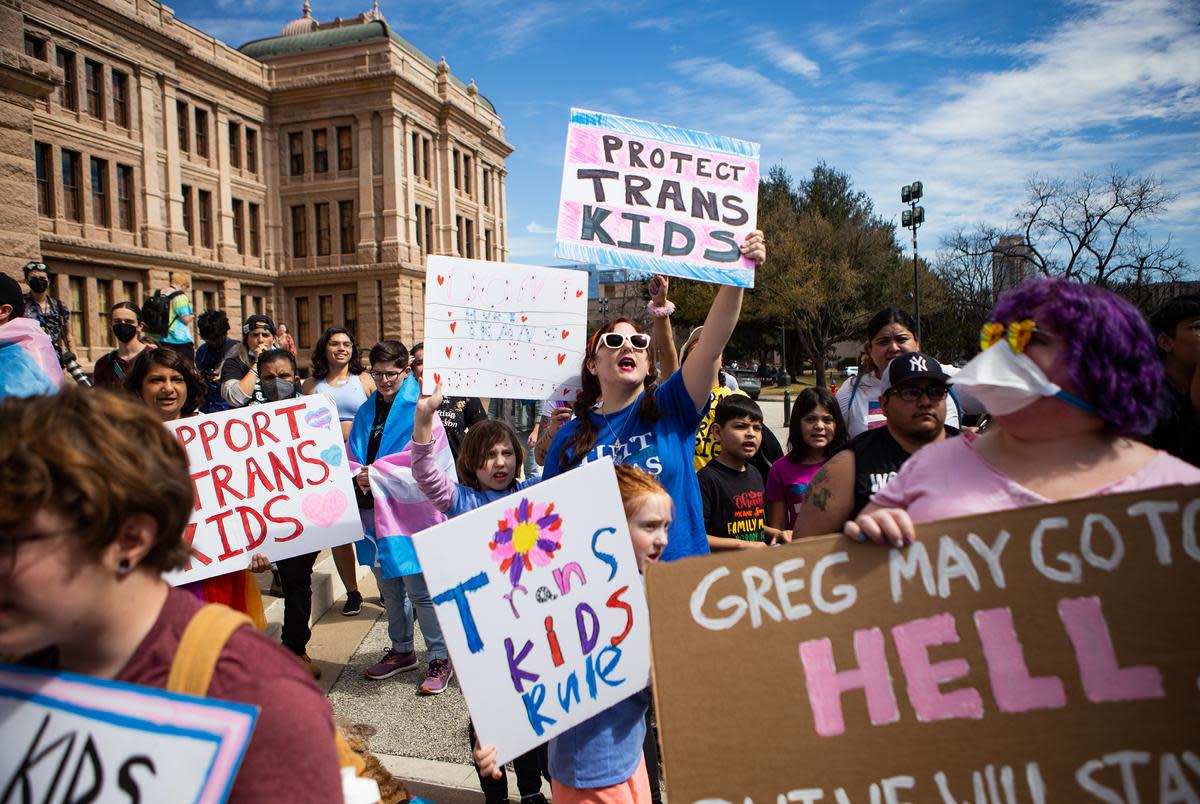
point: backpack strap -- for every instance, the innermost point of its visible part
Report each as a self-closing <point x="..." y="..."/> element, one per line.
<point x="957" y="404"/>
<point x="200" y="646"/>
<point x="853" y="391"/>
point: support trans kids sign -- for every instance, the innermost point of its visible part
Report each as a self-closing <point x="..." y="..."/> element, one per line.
<point x="541" y="603"/>
<point x="1039" y="655"/>
<point x="647" y="196"/>
<point x="270" y="479"/>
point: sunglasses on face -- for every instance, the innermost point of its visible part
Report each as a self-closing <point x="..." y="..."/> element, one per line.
<point x="616" y="340"/>
<point x="1017" y="334"/>
<point x="912" y="393"/>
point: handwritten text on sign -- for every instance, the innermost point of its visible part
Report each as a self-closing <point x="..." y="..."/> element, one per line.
<point x="541" y="603"/>
<point x="269" y="479"/>
<point x="1046" y="654"/>
<point x="648" y="196"/>
<point x="498" y="329"/>
<point x="73" y="738"/>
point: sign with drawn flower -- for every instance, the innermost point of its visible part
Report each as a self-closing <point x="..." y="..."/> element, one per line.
<point x="542" y="607"/>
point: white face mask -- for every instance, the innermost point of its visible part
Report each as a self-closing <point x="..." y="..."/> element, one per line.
<point x="1006" y="382"/>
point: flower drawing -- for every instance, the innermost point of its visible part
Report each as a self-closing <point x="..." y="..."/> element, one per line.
<point x="528" y="536"/>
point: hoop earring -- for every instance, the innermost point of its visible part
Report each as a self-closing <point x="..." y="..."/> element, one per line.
<point x="124" y="567"/>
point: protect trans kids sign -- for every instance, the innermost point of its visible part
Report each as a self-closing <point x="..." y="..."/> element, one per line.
<point x="647" y="196"/>
<point x="541" y="603"/>
<point x="269" y="479"/>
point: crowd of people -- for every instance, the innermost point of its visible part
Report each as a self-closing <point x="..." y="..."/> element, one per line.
<point x="1072" y="394"/>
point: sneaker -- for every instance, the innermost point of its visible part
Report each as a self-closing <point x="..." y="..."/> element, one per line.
<point x="536" y="798"/>
<point x="393" y="662"/>
<point x="437" y="678"/>
<point x="312" y="667"/>
<point x="353" y="604"/>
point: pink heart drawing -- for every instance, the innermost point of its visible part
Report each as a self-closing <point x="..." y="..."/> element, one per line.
<point x="319" y="418"/>
<point x="324" y="509"/>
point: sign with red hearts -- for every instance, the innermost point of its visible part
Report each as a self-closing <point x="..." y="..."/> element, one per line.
<point x="270" y="479"/>
<point x="502" y="330"/>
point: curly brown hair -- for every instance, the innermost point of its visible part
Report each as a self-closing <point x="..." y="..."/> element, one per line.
<point x="95" y="457"/>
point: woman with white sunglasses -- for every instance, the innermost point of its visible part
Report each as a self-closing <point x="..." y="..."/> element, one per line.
<point x="645" y="425"/>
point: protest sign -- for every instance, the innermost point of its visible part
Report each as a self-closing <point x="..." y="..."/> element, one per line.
<point x="498" y="329"/>
<point x="74" y="738"/>
<point x="541" y="603"/>
<point x="653" y="197"/>
<point x="269" y="479"/>
<point x="1046" y="654"/>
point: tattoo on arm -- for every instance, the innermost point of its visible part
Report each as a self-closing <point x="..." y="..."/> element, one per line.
<point x="820" y="498"/>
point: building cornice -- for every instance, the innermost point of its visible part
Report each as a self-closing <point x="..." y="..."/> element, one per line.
<point x="117" y="256"/>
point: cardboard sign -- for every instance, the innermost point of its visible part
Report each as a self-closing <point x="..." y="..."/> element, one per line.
<point x="541" y="603"/>
<point x="1048" y="654"/>
<point x="498" y="329"/>
<point x="73" y="738"/>
<point x="269" y="479"/>
<point x="652" y="197"/>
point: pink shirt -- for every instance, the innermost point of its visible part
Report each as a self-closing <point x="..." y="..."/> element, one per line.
<point x="788" y="482"/>
<point x="949" y="479"/>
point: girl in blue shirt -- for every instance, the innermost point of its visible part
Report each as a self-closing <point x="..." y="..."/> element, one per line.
<point x="601" y="758"/>
<point x="648" y="426"/>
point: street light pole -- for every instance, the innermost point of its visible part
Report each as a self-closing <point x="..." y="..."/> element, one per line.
<point x="785" y="379"/>
<point x="912" y="218"/>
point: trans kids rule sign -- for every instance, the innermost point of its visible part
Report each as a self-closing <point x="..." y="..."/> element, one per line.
<point x="269" y="479"/>
<point x="541" y="604"/>
<point x="1045" y="655"/>
<point x="498" y="329"/>
<point x="647" y="196"/>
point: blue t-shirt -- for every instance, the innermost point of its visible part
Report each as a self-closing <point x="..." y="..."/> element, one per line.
<point x="663" y="448"/>
<point x="603" y="750"/>
<point x="468" y="499"/>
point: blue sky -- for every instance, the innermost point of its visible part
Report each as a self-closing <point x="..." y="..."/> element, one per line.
<point x="968" y="97"/>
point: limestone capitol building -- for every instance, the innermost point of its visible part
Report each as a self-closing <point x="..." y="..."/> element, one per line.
<point x="305" y="175"/>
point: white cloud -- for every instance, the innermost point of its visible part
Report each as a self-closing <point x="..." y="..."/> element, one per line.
<point x="533" y="227"/>
<point x="788" y="59"/>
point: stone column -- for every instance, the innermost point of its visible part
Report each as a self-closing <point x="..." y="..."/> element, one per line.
<point x="447" y="230"/>
<point x="153" y="227"/>
<point x="393" y="198"/>
<point x="223" y="214"/>
<point x="23" y="82"/>
<point x="366" y="190"/>
<point x="176" y="236"/>
<point x="502" y="219"/>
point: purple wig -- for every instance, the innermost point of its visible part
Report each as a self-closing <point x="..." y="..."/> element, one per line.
<point x="1110" y="351"/>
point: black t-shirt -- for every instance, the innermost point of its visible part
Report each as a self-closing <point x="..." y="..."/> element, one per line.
<point x="234" y="368"/>
<point x="769" y="451"/>
<point x="457" y="414"/>
<point x="382" y="408"/>
<point x="733" y="502"/>
<point x="1178" y="428"/>
<point x="877" y="458"/>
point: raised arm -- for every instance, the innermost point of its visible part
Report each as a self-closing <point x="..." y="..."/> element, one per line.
<point x="664" y="339"/>
<point x="423" y="417"/>
<point x="700" y="371"/>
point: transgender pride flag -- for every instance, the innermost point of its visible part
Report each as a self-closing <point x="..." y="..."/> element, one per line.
<point x="400" y="508"/>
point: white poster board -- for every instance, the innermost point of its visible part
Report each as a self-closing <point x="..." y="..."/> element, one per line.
<point x="498" y="329"/>
<point x="270" y="479"/>
<point x="73" y="738"/>
<point x="545" y="647"/>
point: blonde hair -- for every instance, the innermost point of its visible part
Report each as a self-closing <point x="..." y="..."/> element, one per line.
<point x="181" y="280"/>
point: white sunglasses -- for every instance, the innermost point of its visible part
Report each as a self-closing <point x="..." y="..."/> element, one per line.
<point x="616" y="340"/>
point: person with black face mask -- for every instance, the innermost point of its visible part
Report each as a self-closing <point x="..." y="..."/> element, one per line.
<point x="50" y="313"/>
<point x="126" y="321"/>
<point x="276" y="381"/>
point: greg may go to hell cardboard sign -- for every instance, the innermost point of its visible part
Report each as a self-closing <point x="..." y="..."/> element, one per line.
<point x="1047" y="654"/>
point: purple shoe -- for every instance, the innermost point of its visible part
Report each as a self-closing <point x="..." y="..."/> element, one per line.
<point x="393" y="662"/>
<point x="437" y="678"/>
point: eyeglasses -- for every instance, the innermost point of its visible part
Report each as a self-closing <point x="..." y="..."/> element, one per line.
<point x="912" y="393"/>
<point x="1017" y="334"/>
<point x="416" y="363"/>
<point x="616" y="340"/>
<point x="387" y="376"/>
